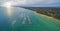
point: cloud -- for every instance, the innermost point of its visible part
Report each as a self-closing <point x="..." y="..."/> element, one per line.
<point x="35" y="2"/>
<point x="41" y="1"/>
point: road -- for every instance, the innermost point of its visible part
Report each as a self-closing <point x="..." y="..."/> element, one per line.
<point x="27" y="20"/>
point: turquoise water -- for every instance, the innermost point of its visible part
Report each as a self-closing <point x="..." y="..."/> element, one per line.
<point x="26" y="20"/>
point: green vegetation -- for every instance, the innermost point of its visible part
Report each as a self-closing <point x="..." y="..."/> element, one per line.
<point x="49" y="11"/>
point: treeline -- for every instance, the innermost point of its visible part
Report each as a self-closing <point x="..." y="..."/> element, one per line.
<point x="49" y="11"/>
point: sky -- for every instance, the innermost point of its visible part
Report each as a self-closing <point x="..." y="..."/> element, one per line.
<point x="33" y="3"/>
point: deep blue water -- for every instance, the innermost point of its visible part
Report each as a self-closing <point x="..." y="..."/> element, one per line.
<point x="3" y="19"/>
